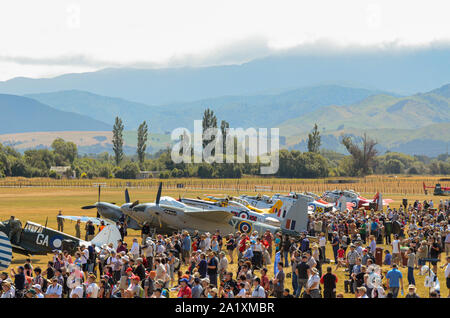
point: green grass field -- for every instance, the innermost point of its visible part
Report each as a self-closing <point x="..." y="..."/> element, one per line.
<point x="40" y="204"/>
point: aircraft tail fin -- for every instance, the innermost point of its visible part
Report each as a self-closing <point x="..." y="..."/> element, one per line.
<point x="5" y="251"/>
<point x="276" y="207"/>
<point x="127" y="196"/>
<point x="109" y="234"/>
<point x="296" y="219"/>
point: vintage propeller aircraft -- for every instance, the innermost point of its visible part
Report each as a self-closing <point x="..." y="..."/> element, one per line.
<point x="355" y="199"/>
<point x="235" y="208"/>
<point x="173" y="215"/>
<point x="37" y="239"/>
<point x="438" y="189"/>
<point x="110" y="212"/>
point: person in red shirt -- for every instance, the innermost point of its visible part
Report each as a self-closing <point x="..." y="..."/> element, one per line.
<point x="185" y="291"/>
<point x="268" y="237"/>
<point x="243" y="244"/>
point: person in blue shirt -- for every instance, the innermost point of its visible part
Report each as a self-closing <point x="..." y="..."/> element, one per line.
<point x="387" y="258"/>
<point x="202" y="266"/>
<point x="395" y="280"/>
<point x="186" y="247"/>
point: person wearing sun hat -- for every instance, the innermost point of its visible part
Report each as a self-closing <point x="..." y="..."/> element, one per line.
<point x="313" y="284"/>
<point x="412" y="292"/>
<point x="184" y="291"/>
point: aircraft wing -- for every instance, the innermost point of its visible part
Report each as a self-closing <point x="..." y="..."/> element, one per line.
<point x="387" y="201"/>
<point x="96" y="221"/>
<point x="211" y="215"/>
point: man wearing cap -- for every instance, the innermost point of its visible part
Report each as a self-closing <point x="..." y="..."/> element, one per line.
<point x="352" y="256"/>
<point x="38" y="290"/>
<point x="91" y="287"/>
<point x="185" y="291"/>
<point x="54" y="290"/>
<point x="134" y="288"/>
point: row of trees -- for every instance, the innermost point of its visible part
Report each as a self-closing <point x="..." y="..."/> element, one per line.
<point x="363" y="159"/>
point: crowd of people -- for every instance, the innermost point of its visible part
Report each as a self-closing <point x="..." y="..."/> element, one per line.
<point x="198" y="265"/>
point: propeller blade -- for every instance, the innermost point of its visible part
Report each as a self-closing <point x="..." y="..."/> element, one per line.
<point x="159" y="219"/>
<point x="99" y="191"/>
<point x="98" y="214"/>
<point x="134" y="204"/>
<point x="88" y="207"/>
<point x="158" y="195"/>
<point x="127" y="196"/>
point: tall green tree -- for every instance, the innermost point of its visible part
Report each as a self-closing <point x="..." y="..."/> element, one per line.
<point x="142" y="141"/>
<point x="117" y="140"/>
<point x="363" y="153"/>
<point x="209" y="121"/>
<point x="314" y="140"/>
<point x="224" y="125"/>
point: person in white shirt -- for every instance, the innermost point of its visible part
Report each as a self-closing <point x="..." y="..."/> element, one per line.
<point x="8" y="290"/>
<point x="322" y="244"/>
<point x="91" y="287"/>
<point x="77" y="292"/>
<point x="447" y="275"/>
<point x="38" y="290"/>
<point x="313" y="284"/>
<point x="54" y="290"/>
<point x="396" y="257"/>
<point x="135" y="249"/>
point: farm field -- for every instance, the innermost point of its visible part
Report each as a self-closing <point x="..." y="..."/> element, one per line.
<point x="41" y="204"/>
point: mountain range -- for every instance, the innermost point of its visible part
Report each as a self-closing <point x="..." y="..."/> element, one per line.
<point x="401" y="71"/>
<point x="408" y="110"/>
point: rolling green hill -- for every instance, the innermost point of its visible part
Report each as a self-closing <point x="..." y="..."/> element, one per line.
<point x="377" y="112"/>
<point x="239" y="111"/>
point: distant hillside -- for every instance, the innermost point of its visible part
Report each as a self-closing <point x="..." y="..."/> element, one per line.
<point x="107" y="108"/>
<point x="378" y="112"/>
<point x="239" y="111"/>
<point x="22" y="114"/>
<point x="404" y="72"/>
<point x="88" y="142"/>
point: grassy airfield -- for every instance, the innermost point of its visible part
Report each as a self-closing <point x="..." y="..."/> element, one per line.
<point x="41" y="204"/>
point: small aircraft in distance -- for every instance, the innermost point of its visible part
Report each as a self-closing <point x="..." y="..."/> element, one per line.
<point x="36" y="239"/>
<point x="438" y="189"/>
<point x="356" y="200"/>
<point x="173" y="215"/>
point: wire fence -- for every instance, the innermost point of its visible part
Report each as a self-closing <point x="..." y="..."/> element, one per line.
<point x="372" y="184"/>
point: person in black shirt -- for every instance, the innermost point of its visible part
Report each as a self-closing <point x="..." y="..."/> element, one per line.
<point x="229" y="281"/>
<point x="302" y="271"/>
<point x="50" y="270"/>
<point x="286" y="293"/>
<point x="19" y="280"/>
<point x="140" y="269"/>
<point x="329" y="281"/>
<point x="212" y="268"/>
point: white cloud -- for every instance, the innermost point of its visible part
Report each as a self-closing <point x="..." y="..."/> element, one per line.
<point x="46" y="37"/>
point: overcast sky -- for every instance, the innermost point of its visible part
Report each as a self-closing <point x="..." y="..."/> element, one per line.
<point x="51" y="37"/>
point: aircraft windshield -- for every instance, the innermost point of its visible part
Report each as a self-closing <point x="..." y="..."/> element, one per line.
<point x="172" y="202"/>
